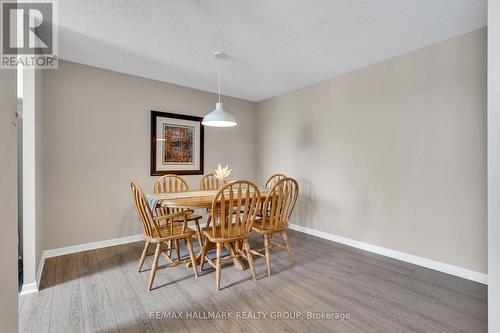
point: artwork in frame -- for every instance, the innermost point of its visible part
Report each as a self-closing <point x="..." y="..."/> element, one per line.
<point x="176" y="144"/>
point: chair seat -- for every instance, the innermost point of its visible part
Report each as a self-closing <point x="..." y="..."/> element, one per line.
<point x="192" y="217"/>
<point x="167" y="232"/>
<point x="265" y="229"/>
<point x="217" y="236"/>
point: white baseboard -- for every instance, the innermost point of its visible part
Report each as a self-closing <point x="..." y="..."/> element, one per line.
<point x="28" y="288"/>
<point x="33" y="287"/>
<point x="420" y="261"/>
<point x="424" y="262"/>
<point x="39" y="272"/>
<point x="90" y="246"/>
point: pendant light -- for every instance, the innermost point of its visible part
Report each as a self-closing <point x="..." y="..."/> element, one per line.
<point x="219" y="117"/>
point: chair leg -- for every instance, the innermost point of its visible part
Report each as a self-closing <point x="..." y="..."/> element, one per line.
<point x="178" y="249"/>
<point x="209" y="219"/>
<point x="192" y="256"/>
<point x="268" y="254"/>
<point x="217" y="266"/>
<point x="288" y="248"/>
<point x="203" y="254"/>
<point x="169" y="252"/>
<point x="246" y="246"/>
<point x="198" y="233"/>
<point x="143" y="255"/>
<point x="155" y="265"/>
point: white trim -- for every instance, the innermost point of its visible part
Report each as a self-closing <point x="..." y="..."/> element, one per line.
<point x="33" y="287"/>
<point x="416" y="260"/>
<point x="40" y="269"/>
<point x="410" y="258"/>
<point x="90" y="246"/>
<point x="493" y="164"/>
<point x="28" y="288"/>
<point x="30" y="201"/>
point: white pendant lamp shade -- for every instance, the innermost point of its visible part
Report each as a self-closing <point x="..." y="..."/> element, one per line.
<point x="219" y="117"/>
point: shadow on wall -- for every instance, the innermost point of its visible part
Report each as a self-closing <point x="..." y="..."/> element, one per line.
<point x="305" y="208"/>
<point x="310" y="211"/>
<point x="306" y="133"/>
<point x="130" y="223"/>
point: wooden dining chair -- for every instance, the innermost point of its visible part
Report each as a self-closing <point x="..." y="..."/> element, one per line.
<point x="158" y="229"/>
<point x="234" y="210"/>
<point x="173" y="184"/>
<point x="274" y="179"/>
<point x="170" y="184"/>
<point x="279" y="205"/>
<point x="269" y="183"/>
<point x="210" y="183"/>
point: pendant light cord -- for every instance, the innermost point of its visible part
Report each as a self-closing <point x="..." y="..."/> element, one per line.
<point x="219" y="80"/>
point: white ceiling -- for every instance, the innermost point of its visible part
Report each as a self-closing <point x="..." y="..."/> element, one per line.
<point x="274" y="46"/>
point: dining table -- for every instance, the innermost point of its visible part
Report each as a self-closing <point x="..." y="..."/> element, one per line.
<point x="197" y="199"/>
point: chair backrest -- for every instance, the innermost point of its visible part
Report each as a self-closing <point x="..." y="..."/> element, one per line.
<point x="274" y="179"/>
<point x="170" y="184"/>
<point x="209" y="182"/>
<point x="234" y="208"/>
<point x="150" y="225"/>
<point x="279" y="204"/>
<point x="143" y="209"/>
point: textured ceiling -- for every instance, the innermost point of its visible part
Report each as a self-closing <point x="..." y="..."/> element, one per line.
<point x="274" y="46"/>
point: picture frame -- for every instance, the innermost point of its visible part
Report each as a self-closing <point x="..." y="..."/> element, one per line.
<point x="177" y="144"/>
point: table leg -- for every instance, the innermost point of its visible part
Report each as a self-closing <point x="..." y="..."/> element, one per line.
<point x="236" y="261"/>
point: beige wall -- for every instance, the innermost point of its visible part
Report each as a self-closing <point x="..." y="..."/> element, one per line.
<point x="393" y="154"/>
<point x="8" y="202"/>
<point x="96" y="133"/>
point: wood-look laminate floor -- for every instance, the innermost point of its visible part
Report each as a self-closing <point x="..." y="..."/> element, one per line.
<point x="101" y="291"/>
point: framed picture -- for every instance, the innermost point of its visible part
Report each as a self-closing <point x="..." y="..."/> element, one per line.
<point x="176" y="144"/>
